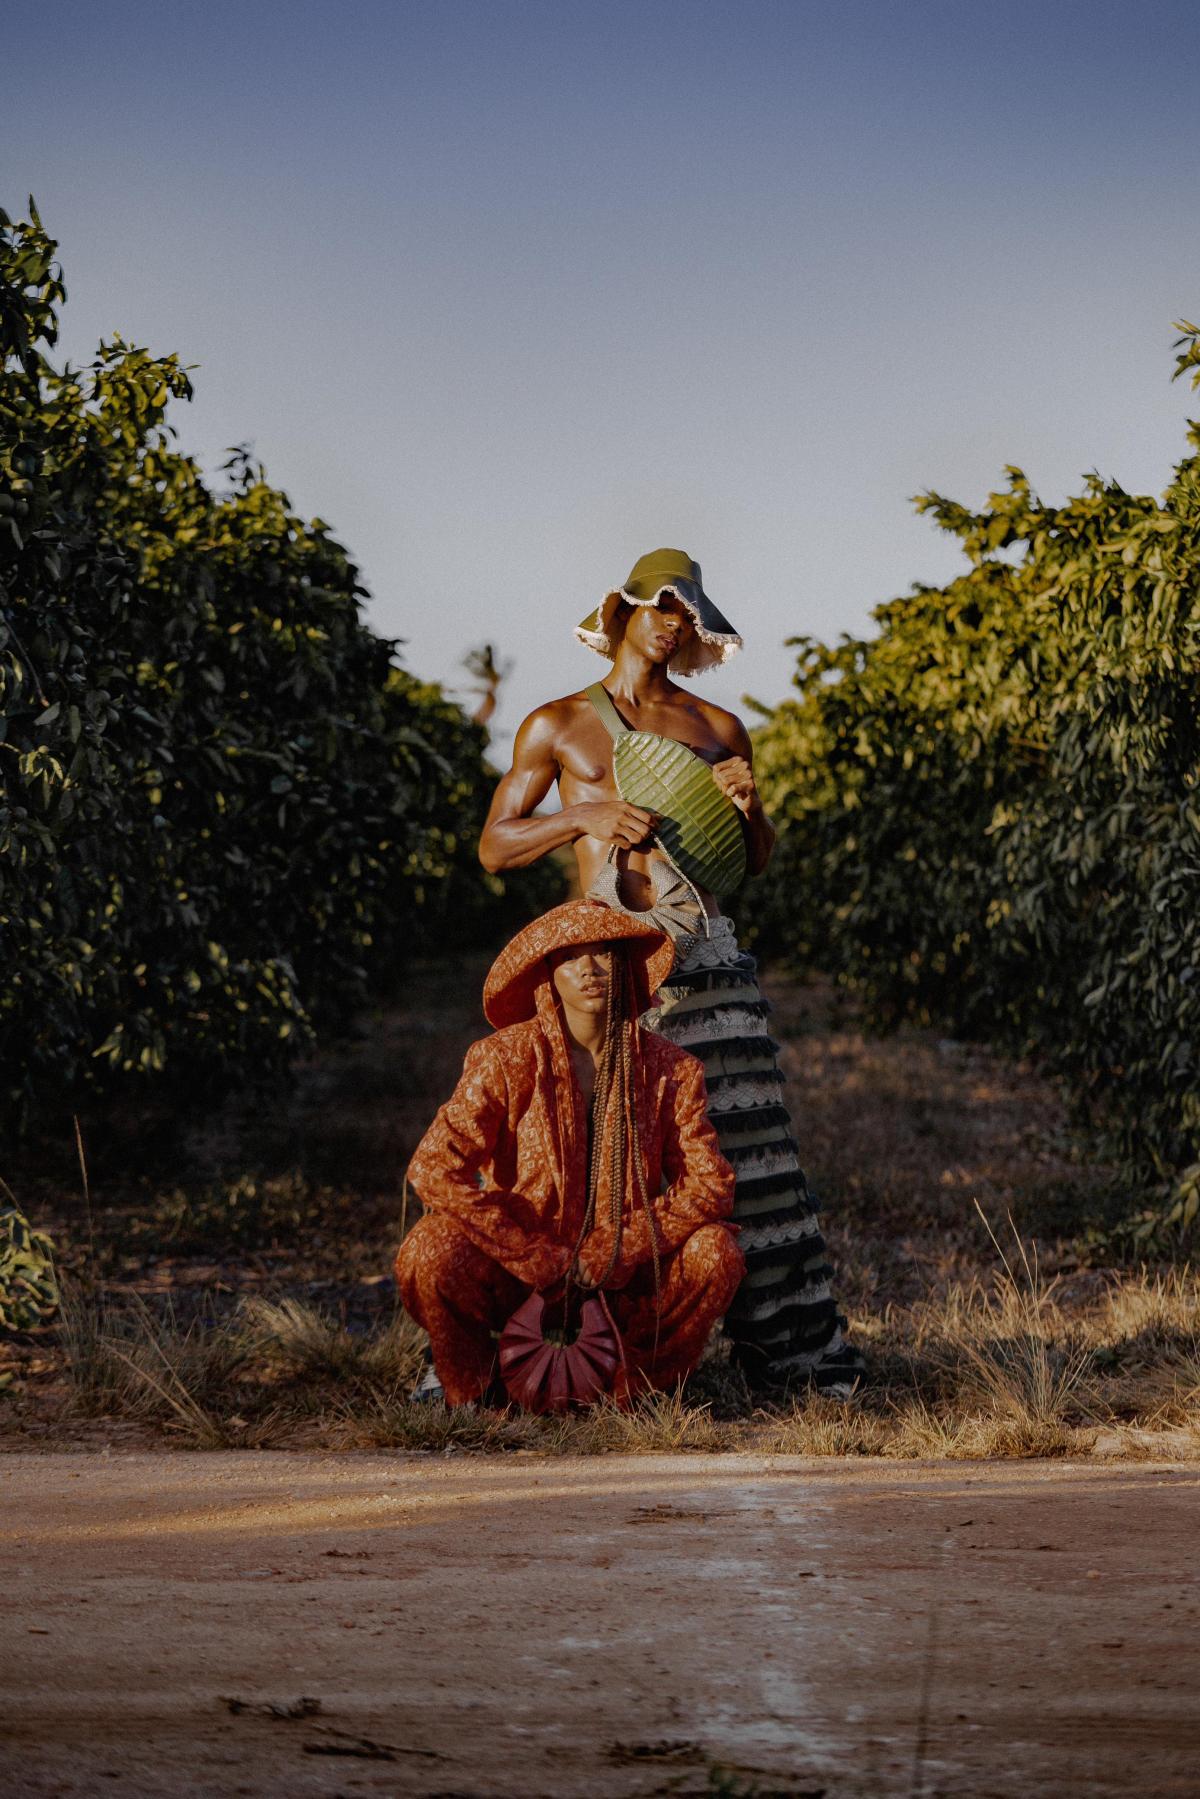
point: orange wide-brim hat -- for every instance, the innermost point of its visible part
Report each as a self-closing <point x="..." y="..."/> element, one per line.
<point x="510" y="991"/>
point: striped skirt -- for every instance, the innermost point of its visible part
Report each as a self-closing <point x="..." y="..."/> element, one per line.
<point x="783" y="1324"/>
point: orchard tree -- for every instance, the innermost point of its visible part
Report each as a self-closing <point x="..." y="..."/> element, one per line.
<point x="991" y="810"/>
<point x="225" y="809"/>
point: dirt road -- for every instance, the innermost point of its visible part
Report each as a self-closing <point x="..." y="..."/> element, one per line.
<point x="609" y="1626"/>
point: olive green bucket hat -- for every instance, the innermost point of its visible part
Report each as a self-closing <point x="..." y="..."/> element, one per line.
<point x="667" y="572"/>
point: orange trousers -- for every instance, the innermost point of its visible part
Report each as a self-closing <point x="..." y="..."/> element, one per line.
<point x="463" y="1299"/>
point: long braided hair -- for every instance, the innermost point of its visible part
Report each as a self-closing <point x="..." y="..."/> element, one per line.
<point x="615" y="1124"/>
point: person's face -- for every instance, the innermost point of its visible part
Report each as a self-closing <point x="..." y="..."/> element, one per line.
<point x="581" y="975"/>
<point x="658" y="632"/>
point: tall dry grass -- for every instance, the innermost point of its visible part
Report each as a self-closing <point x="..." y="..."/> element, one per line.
<point x="1009" y="1366"/>
<point x="133" y="1362"/>
<point x="307" y="1345"/>
<point x="1004" y="1368"/>
<point x="1004" y="1349"/>
<point x="243" y="1379"/>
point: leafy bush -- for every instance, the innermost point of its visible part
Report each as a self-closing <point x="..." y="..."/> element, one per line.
<point x="28" y="1284"/>
<point x="990" y="814"/>
<point x="247" y="1212"/>
<point x="224" y="809"/>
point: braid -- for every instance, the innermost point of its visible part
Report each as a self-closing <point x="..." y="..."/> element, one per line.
<point x="614" y="1113"/>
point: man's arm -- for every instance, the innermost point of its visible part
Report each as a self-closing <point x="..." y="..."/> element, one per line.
<point x="735" y="777"/>
<point x="512" y="838"/>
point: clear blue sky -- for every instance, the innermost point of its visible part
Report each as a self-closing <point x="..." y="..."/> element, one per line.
<point x="512" y="292"/>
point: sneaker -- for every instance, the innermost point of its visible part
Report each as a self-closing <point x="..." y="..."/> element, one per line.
<point x="840" y="1372"/>
<point x="836" y="1371"/>
<point x="429" y="1389"/>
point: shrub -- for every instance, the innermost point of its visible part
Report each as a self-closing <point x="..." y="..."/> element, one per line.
<point x="989" y="811"/>
<point x="28" y="1284"/>
<point x="224" y="808"/>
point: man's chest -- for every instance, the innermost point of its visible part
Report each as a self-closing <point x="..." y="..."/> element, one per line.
<point x="585" y="749"/>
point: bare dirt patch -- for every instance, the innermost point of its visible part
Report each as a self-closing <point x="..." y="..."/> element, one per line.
<point x="301" y="1625"/>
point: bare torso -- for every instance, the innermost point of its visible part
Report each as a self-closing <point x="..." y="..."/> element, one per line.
<point x="566" y="743"/>
<point x="585" y="772"/>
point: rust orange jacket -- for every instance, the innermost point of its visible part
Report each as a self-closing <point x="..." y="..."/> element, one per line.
<point x="506" y="1155"/>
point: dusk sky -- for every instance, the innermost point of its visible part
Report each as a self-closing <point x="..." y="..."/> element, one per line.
<point x="513" y="292"/>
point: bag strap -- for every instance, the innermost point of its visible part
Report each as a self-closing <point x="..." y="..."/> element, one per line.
<point x="610" y="718"/>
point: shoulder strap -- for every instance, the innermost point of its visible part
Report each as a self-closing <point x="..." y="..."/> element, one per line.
<point x="611" y="719"/>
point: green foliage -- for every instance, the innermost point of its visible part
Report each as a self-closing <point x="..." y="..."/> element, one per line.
<point x="248" y="1212"/>
<point x="28" y="1284"/>
<point x="990" y="813"/>
<point x="224" y="810"/>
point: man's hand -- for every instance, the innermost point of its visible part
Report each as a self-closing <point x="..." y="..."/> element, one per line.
<point x="614" y="821"/>
<point x="735" y="778"/>
<point x="590" y="1267"/>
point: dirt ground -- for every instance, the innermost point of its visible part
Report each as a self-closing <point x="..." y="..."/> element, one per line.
<point x="311" y="1624"/>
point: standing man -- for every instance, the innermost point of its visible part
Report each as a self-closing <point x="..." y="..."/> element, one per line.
<point x="784" y="1324"/>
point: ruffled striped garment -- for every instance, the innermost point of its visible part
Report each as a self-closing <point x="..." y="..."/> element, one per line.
<point x="784" y="1323"/>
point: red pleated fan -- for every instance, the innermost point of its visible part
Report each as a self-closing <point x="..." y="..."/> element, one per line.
<point x="555" y="1377"/>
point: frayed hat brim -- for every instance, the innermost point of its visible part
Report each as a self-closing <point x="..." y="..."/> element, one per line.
<point x="713" y="642"/>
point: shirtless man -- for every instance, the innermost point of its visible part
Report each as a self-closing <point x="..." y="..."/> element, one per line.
<point x="784" y="1323"/>
<point x="566" y="741"/>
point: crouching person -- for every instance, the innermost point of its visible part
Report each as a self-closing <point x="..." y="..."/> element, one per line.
<point x="574" y="1159"/>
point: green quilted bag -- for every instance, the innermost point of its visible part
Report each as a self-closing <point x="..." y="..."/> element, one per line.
<point x="700" y="828"/>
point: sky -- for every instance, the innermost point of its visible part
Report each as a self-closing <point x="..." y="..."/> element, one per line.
<point x="512" y="292"/>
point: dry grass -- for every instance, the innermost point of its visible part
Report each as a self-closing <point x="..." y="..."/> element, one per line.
<point x="1145" y="1337"/>
<point x="659" y="1423"/>
<point x="276" y="1370"/>
<point x="913" y="1430"/>
<point x="1004" y="1368"/>
<point x="1007" y="1364"/>
<point x="986" y="1371"/>
<point x="135" y="1363"/>
<point x="955" y="1434"/>
<point x="1005" y="1347"/>
<point x="249" y="1378"/>
<point x="310" y="1346"/>
<point x="826" y="1427"/>
<point x="396" y="1422"/>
